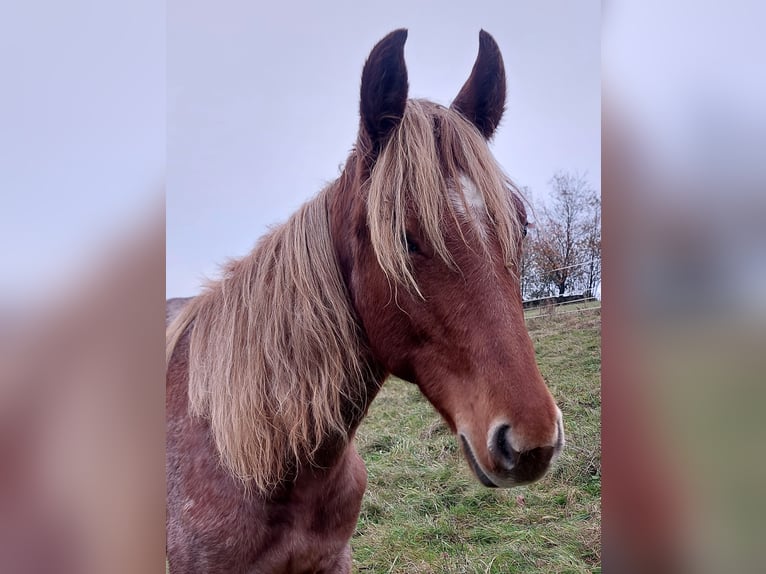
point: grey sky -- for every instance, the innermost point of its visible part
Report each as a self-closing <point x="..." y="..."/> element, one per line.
<point x="263" y="104"/>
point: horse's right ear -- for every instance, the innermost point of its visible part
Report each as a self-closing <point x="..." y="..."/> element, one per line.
<point x="482" y="98"/>
<point x="383" y="93"/>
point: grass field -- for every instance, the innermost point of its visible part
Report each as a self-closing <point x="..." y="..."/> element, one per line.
<point x="424" y="512"/>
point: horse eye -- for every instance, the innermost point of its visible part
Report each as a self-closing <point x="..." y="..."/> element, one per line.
<point x="412" y="246"/>
<point x="527" y="225"/>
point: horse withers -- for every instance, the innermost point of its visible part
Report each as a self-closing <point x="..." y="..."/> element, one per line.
<point x="407" y="264"/>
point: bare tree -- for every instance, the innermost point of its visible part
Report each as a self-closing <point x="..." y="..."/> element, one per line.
<point x="567" y="237"/>
<point x="529" y="274"/>
<point x="591" y="247"/>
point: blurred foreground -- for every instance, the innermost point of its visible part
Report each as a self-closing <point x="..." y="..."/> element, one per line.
<point x="82" y="158"/>
<point x="82" y="485"/>
<point x="684" y="339"/>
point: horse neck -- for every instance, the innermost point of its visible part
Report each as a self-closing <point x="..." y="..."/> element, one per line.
<point x="344" y="212"/>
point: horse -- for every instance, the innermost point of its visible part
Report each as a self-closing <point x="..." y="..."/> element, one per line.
<point x="406" y="265"/>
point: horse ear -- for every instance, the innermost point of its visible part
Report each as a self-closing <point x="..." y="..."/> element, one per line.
<point x="384" y="91"/>
<point x="482" y="99"/>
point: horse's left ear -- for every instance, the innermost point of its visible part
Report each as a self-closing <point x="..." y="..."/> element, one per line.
<point x="482" y="99"/>
<point x="383" y="93"/>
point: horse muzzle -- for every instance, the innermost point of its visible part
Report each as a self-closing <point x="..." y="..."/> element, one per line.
<point x="509" y="467"/>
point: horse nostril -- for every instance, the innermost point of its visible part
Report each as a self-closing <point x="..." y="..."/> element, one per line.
<point x="525" y="466"/>
<point x="534" y="463"/>
<point x="503" y="447"/>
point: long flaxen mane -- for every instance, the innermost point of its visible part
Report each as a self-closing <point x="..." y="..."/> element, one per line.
<point x="275" y="350"/>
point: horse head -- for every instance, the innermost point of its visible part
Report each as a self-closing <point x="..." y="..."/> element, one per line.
<point x="429" y="233"/>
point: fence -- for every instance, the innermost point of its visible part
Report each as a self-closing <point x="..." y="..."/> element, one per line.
<point x="550" y="305"/>
<point x="556" y="300"/>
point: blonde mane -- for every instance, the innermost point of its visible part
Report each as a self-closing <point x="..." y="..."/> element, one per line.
<point x="275" y="352"/>
<point x="428" y="152"/>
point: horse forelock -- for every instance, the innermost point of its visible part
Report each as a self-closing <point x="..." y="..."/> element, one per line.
<point x="435" y="152"/>
<point x="276" y="362"/>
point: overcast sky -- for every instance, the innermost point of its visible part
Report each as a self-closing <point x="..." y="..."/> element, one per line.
<point x="263" y="104"/>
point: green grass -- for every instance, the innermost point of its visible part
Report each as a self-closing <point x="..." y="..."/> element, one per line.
<point x="424" y="512"/>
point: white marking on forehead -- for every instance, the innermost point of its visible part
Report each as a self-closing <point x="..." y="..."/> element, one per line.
<point x="474" y="201"/>
<point x="472" y="195"/>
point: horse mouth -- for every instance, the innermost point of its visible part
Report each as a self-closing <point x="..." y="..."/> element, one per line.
<point x="528" y="467"/>
<point x="474" y="464"/>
